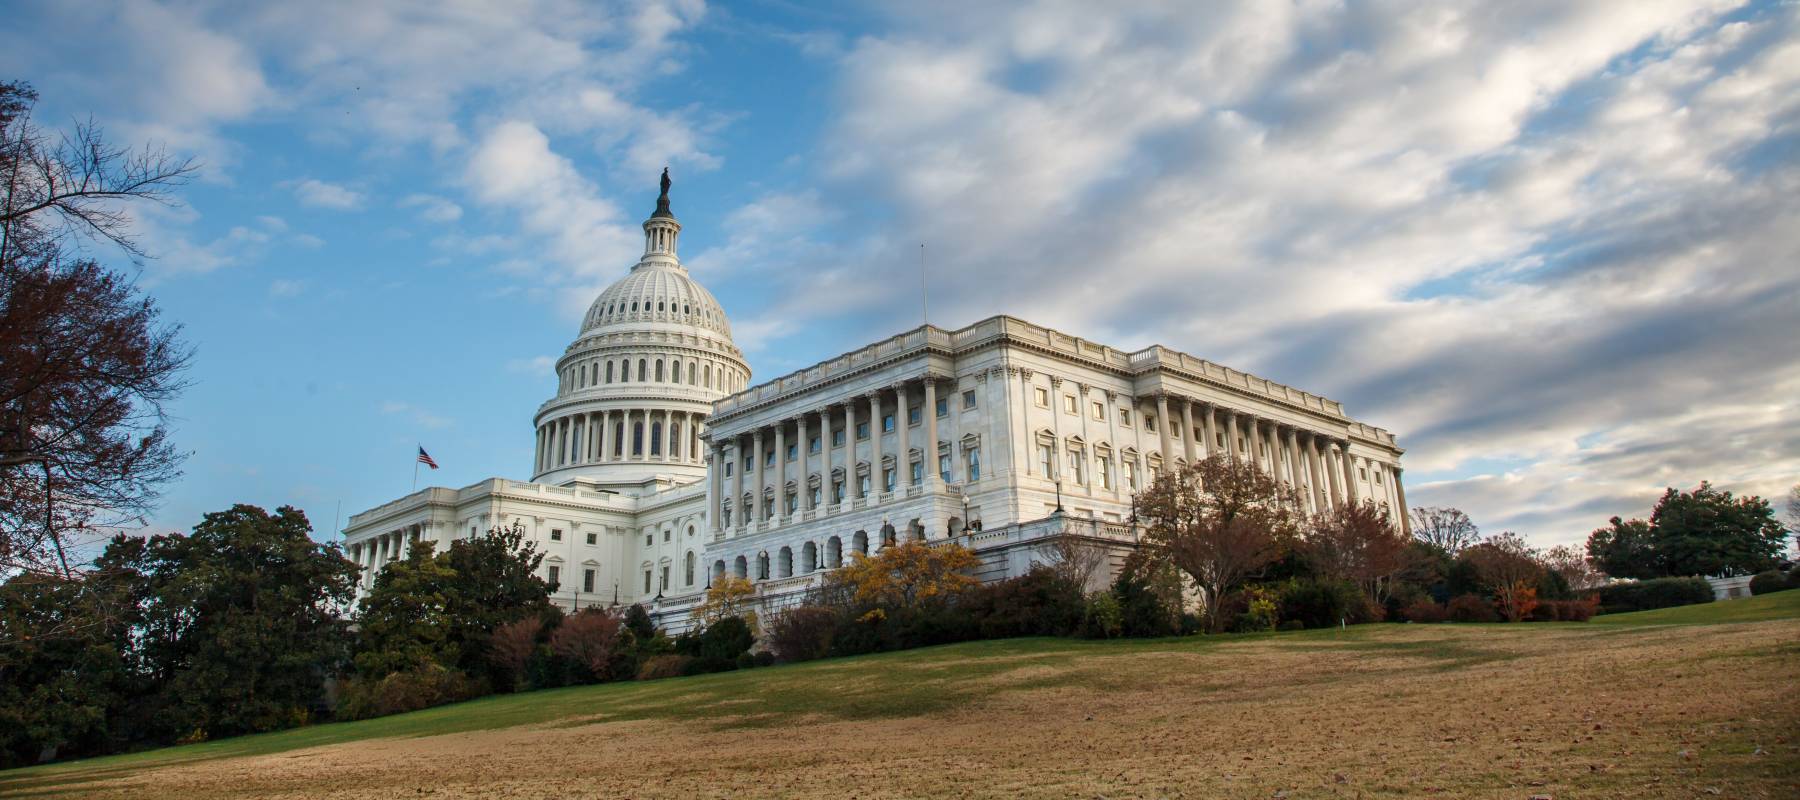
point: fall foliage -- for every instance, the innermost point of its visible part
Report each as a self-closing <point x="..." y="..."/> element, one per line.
<point x="1221" y="521"/>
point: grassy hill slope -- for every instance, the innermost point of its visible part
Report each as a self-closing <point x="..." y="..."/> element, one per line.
<point x="1661" y="703"/>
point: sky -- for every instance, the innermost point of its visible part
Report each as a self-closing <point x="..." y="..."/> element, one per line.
<point x="1554" y="247"/>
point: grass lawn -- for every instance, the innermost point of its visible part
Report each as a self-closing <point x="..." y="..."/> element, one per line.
<point x="1674" y="702"/>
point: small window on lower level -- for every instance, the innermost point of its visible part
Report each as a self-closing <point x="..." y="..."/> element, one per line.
<point x="555" y="535"/>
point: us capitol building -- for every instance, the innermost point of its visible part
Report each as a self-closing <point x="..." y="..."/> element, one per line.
<point x="659" y="465"/>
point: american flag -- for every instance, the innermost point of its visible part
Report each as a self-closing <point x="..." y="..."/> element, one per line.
<point x="425" y="458"/>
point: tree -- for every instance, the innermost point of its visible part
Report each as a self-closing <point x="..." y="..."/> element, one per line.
<point x="1355" y="542"/>
<point x="598" y="642"/>
<point x="1220" y="521"/>
<point x="728" y="597"/>
<point x="1576" y="569"/>
<point x="1793" y="509"/>
<point x="444" y="607"/>
<point x="1448" y="528"/>
<point x="1702" y="532"/>
<point x="909" y="575"/>
<point x="66" y="684"/>
<point x="1510" y="568"/>
<point x="86" y="366"/>
<point x="239" y="622"/>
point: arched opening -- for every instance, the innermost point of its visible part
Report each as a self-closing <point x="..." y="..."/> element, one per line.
<point x="643" y="371"/>
<point x="784" y="563"/>
<point x="656" y="438"/>
<point x="741" y="567"/>
<point x="860" y="542"/>
<point x="674" y="440"/>
<point x="762" y="566"/>
<point x="834" y="552"/>
<point x="687" y="570"/>
<point x="718" y="570"/>
<point x="637" y="438"/>
<point x="809" y="557"/>
<point x="659" y="370"/>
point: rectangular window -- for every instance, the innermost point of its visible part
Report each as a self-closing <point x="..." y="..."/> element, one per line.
<point x="1362" y="473"/>
<point x="649" y="539"/>
<point x="887" y="480"/>
<point x="837" y="438"/>
<point x="943" y="406"/>
<point x="587" y="580"/>
<point x="593" y="538"/>
<point x="1075" y="464"/>
<point x="837" y="492"/>
<point x="812" y="445"/>
<point x="1069" y="404"/>
<point x="665" y="579"/>
<point x="812" y="495"/>
<point x="769" y="458"/>
<point x="1125" y="417"/>
<point x="1101" y="472"/>
<point x="646" y="581"/>
<point x="887" y="423"/>
<point x="1175" y="428"/>
<point x="969" y="398"/>
<point x="862" y="430"/>
<point x="666" y="535"/>
<point x="1043" y="396"/>
<point x="1047" y="459"/>
<point x="973" y="456"/>
<point x="555" y="576"/>
<point x="918" y="473"/>
<point x="555" y="535"/>
<point x="913" y="416"/>
<point x="793" y="452"/>
<point x="1130" y="474"/>
<point x="944" y="467"/>
<point x="728" y="466"/>
<point x="862" y="486"/>
<point x="748" y="464"/>
<point x="1099" y="411"/>
<point x="793" y="501"/>
<point x="1377" y="477"/>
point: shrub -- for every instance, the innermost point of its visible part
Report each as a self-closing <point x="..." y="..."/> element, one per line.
<point x="1319" y="604"/>
<point x="663" y="666"/>
<point x="1656" y="593"/>
<point x="763" y="658"/>
<point x="1773" y="581"/>
<point x="410" y="690"/>
<point x="1143" y="611"/>
<point x="1261" y="610"/>
<point x="1037" y="603"/>
<point x="1425" y="610"/>
<point x="1291" y="625"/>
<point x="725" y="640"/>
<point x="803" y="633"/>
<point x="1472" y="608"/>
<point x="510" y="648"/>
<point x="596" y="646"/>
<point x="1104" y="618"/>
<point x="1564" y="610"/>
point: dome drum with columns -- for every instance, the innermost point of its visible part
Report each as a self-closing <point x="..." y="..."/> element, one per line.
<point x="654" y="353"/>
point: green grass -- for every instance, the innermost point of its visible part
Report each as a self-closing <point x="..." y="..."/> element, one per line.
<point x="890" y="685"/>
<point x="1778" y="605"/>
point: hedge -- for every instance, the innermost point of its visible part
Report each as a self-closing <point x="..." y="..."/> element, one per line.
<point x="1619" y="598"/>
<point x="1773" y="581"/>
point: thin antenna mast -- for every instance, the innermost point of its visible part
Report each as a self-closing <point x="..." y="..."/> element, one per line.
<point x="924" y="296"/>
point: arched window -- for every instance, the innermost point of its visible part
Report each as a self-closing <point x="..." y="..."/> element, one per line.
<point x="656" y="438"/>
<point x="706" y="376"/>
<point x="643" y="371"/>
<point x="693" y="373"/>
<point x="674" y="440"/>
<point x="659" y="305"/>
<point x="624" y="371"/>
<point x="584" y="375"/>
<point x="609" y="372"/>
<point x="659" y="371"/>
<point x="637" y="438"/>
<point x="688" y="569"/>
<point x="619" y="439"/>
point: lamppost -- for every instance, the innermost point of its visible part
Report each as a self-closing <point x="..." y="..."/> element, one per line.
<point x="965" y="504"/>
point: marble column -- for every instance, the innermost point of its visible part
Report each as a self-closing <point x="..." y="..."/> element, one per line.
<point x="876" y="484"/>
<point x="930" y="450"/>
<point x="1400" y="492"/>
<point x="1187" y="430"/>
<point x="1162" y="432"/>
<point x="903" y="422"/>
<point x="756" y="492"/>
<point x="1313" y="490"/>
<point x="737" y="492"/>
<point x="781" y="512"/>
<point x="825" y="449"/>
<point x="1350" y="493"/>
<point x="806" y="501"/>
<point x="1231" y="434"/>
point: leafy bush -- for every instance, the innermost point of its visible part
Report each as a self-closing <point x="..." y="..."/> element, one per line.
<point x="1564" y="610"/>
<point x="1104" y="618"/>
<point x="1143" y="611"/>
<point x="725" y="640"/>
<point x="1038" y="603"/>
<point x="663" y="666"/>
<point x="1261" y="609"/>
<point x="763" y="658"/>
<point x="411" y="690"/>
<point x="1655" y="593"/>
<point x="803" y="633"/>
<point x="1472" y="608"/>
<point x="1320" y="604"/>
<point x="596" y="646"/>
<point x="1425" y="610"/>
<point x="1773" y="581"/>
<point x="1291" y="625"/>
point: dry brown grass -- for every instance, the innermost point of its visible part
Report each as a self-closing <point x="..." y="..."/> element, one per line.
<point x="1388" y="711"/>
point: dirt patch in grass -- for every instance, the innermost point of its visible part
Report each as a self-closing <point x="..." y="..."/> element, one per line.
<point x="1385" y="711"/>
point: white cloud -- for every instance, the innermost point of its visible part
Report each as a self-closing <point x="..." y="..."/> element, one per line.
<point x="320" y="194"/>
<point x="419" y="416"/>
<point x="433" y="208"/>
<point x="535" y="366"/>
<point x="1518" y="235"/>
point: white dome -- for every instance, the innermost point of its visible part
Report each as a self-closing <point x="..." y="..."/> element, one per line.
<point x="657" y="292"/>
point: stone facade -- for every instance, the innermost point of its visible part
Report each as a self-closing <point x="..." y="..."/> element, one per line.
<point x="658" y="467"/>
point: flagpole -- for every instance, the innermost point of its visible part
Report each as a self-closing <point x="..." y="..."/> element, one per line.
<point x="415" y="474"/>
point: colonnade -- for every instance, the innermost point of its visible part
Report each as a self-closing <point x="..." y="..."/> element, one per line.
<point x="598" y="370"/>
<point x="786" y="478"/>
<point x="376" y="551"/>
<point x="620" y="435"/>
